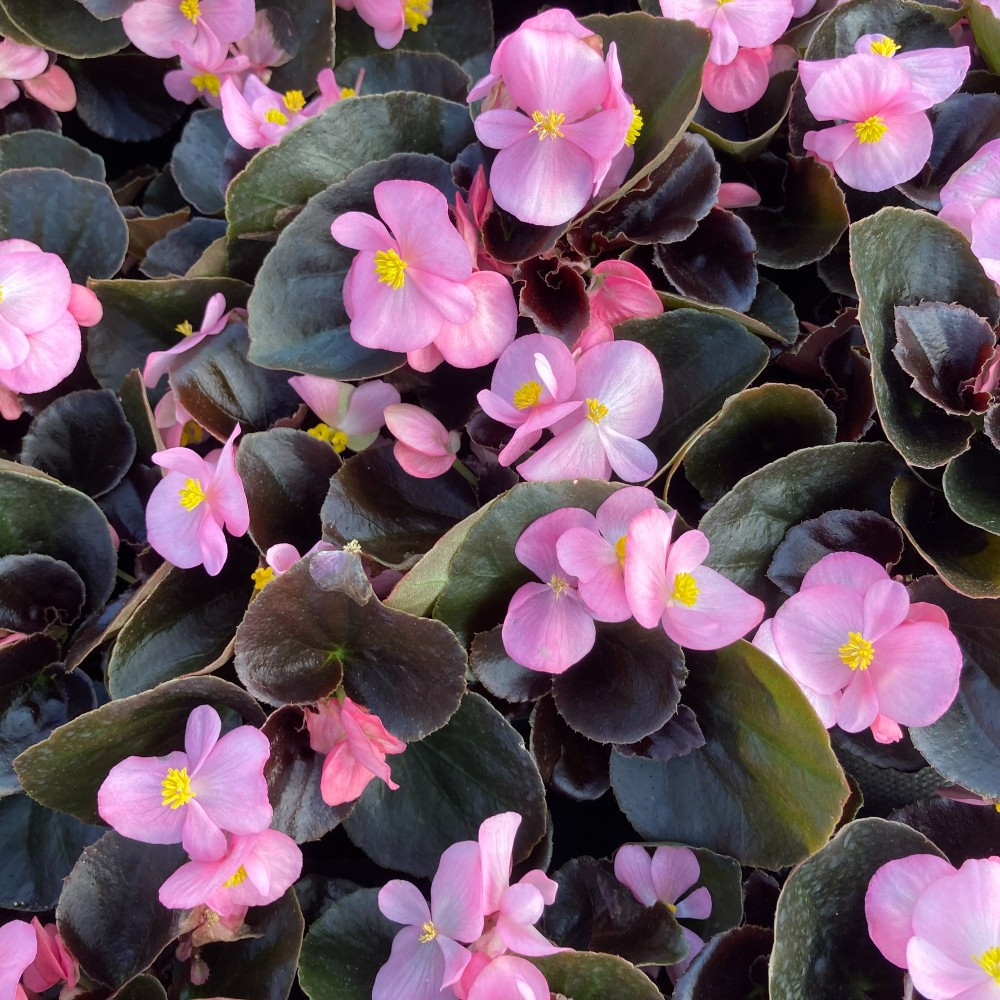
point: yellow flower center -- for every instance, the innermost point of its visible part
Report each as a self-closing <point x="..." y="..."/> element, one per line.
<point x="672" y="907"/>
<point x="348" y="92"/>
<point x="721" y="2"/>
<point x="635" y="128"/>
<point x="192" y="433"/>
<point x="416" y="12"/>
<point x="870" y="130"/>
<point x="185" y="329"/>
<point x="275" y="117"/>
<point x="558" y="584"/>
<point x="596" y="410"/>
<point x="294" y="100"/>
<point x="191" y="494"/>
<point x="547" y="125"/>
<point x="262" y="577"/>
<point x="191" y="9"/>
<point x="528" y="395"/>
<point x="685" y="590"/>
<point x="989" y="962"/>
<point x="390" y="268"/>
<point x="857" y="652"/>
<point x="885" y="47"/>
<point x="237" y="878"/>
<point x="336" y="439"/>
<point x="176" y="788"/>
<point x="620" y="551"/>
<point x="1" y="293"/>
<point x="207" y="81"/>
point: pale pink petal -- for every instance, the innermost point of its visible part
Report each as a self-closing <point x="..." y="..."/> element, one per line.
<point x="896" y="157"/>
<point x="8" y="91"/>
<point x="54" y="88"/>
<point x="281" y="558"/>
<point x="725" y="45"/>
<point x="499" y="128"/>
<point x="403" y="903"/>
<point x="496" y="844"/>
<point x="622" y="291"/>
<point x="364" y="412"/>
<point x="52" y="356"/>
<point x="633" y="868"/>
<point x="936" y="73"/>
<point x="230" y="784"/>
<point x="576" y="453"/>
<point x="36" y="290"/>
<point x="546" y="886"/>
<point x="673" y="870"/>
<point x="418" y="429"/>
<point x="939" y="975"/>
<point x="153" y="25"/>
<point x="418" y="464"/>
<point x="18" y="946"/>
<point x="518" y="365"/>
<point x="631" y="460"/>
<point x="52" y="964"/>
<point x="14" y="346"/>
<point x="240" y="120"/>
<point x="21" y="62"/>
<point x="84" y="306"/>
<point x="625" y="377"/>
<point x="230" y="20"/>
<point x="415" y="969"/>
<point x="173" y="530"/>
<point x="860" y="86"/>
<point x="735" y="195"/>
<point x="361" y="231"/>
<point x="130" y="799"/>
<point x="524" y="939"/>
<point x="509" y="978"/>
<point x="457" y="893"/>
<point x="886" y="605"/>
<point x="537" y="545"/>
<point x="456" y="958"/>
<point x="721" y="614"/>
<point x="343" y="777"/>
<point x="193" y="883"/>
<point x="758" y="22"/>
<point x="529" y="432"/>
<point x="204" y="727"/>
<point x="859" y="705"/>
<point x="737" y="85"/>
<point x="647" y="545"/>
<point x="453" y="300"/>
<point x="484" y="337"/>
<point x="226" y="495"/>
<point x="201" y="836"/>
<point x="185" y="462"/>
<point x="846" y="569"/>
<point x="211" y="544"/>
<point x="273" y="864"/>
<point x="697" y="906"/>
<point x="547" y="632"/>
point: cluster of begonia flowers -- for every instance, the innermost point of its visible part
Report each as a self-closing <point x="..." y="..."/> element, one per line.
<point x="28" y="68"/>
<point x="34" y="957"/>
<point x="940" y="923"/>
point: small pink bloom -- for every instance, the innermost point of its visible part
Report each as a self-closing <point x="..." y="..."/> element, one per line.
<point x="390" y="18"/>
<point x="666" y="582"/>
<point x="405" y="286"/>
<point x="886" y="138"/>
<point x="739" y="84"/>
<point x="621" y="388"/>
<point x="735" y="195"/>
<point x="548" y="627"/>
<point x="157" y="26"/>
<point x="193" y="502"/>
<point x="597" y="558"/>
<point x="426" y="955"/>
<point x="214" y="321"/>
<point x="619" y="292"/>
<point x="509" y="978"/>
<point x="351" y="415"/>
<point x="355" y="743"/>
<point x="257" y="869"/>
<point x="176" y="426"/>
<point x="53" y="963"/>
<point x="970" y="187"/>
<point x="54" y="88"/>
<point x="18" y="946"/>
<point x="191" y="796"/>
<point x="261" y="48"/>
<point x="201" y="77"/>
<point x="533" y="387"/>
<point x="986" y="238"/>
<point x="734" y="23"/>
<point x="425" y="448"/>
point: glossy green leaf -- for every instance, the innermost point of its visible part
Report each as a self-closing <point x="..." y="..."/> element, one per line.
<point x="198" y="161"/>
<point x="65" y="27"/>
<point x="584" y="975"/>
<point x="970" y="484"/>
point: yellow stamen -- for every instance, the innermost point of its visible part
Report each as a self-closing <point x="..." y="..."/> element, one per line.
<point x="353" y="546"/>
<point x="390" y="268"/>
<point x="429" y="932"/>
<point x="348" y="92"/>
<point x="191" y="9"/>
<point x="672" y="907"/>
<point x="207" y="81"/>
<point x="211" y="917"/>
<point x="547" y="125"/>
<point x="1" y="293"/>
<point x="262" y="577"/>
<point x="192" y="433"/>
<point x="886" y="47"/>
<point x="721" y="2"/>
<point x="685" y="590"/>
<point x="333" y="437"/>
<point x="185" y="329"/>
<point x="596" y="410"/>
<point x="416" y="13"/>
<point x="635" y="128"/>
<point x="275" y="117"/>
<point x="191" y="494"/>
<point x="527" y="395"/>
<point x="989" y="962"/>
<point x="176" y="788"/>
<point x="620" y="551"/>
<point x="295" y="100"/>
<point x="237" y="878"/>
<point x="857" y="653"/>
<point x="558" y="584"/>
<point x="871" y="129"/>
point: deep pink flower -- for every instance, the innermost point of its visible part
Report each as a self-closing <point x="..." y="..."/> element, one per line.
<point x="621" y="388"/>
<point x="852" y="629"/>
<point x="426" y="955"/>
<point x="666" y="583"/>
<point x="355" y="743"/>
<point x="986" y="237"/>
<point x="885" y="137"/>
<point x="548" y="627"/>
<point x="18" y="62"/>
<point x="404" y="286"/>
<point x="257" y="869"/>
<point x="53" y="963"/>
<point x="739" y="84"/>
<point x="18" y="946"/>
<point x="157" y="26"/>
<point x="533" y="386"/>
<point x="970" y="187"/>
<point x="390" y="18"/>
<point x="597" y="558"/>
<point x="191" y="796"/>
<point x="214" y="321"/>
<point x="193" y="502"/>
<point x="620" y="291"/>
<point x="733" y="23"/>
<point x="425" y="448"/>
<point x="351" y="415"/>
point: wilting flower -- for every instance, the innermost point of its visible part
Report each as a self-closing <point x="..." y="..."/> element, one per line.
<point x="404" y="286"/>
<point x="18" y="947"/>
<point x="548" y="627"/>
<point x="427" y="955"/>
<point x="424" y="447"/>
<point x="620" y="291"/>
<point x="53" y="963"/>
<point x="257" y="869"/>
<point x="355" y="743"/>
<point x="189" y="797"/>
<point x="733" y="23"/>
<point x="666" y="583"/>
<point x="351" y="415"/>
<point x="193" y="502"/>
<point x="214" y="321"/>
<point x="970" y="187"/>
<point x="621" y="389"/>
<point x="157" y="26"/>
<point x="390" y="18"/>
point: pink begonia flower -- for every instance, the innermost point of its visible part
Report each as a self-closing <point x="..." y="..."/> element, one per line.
<point x="355" y="743"/>
<point x="257" y="869"/>
<point x="281" y="558"/>
<point x="509" y="978"/>
<point x="885" y="138"/>
<point x="533" y="386"/>
<point x="425" y="448"/>
<point x="18" y="62"/>
<point x="176" y="426"/>
<point x="892" y="893"/>
<point x="53" y="963"/>
<point x="190" y="796"/>
<point x="620" y="291"/>
<point x="427" y="955"/>
<point x="556" y="150"/>
<point x="733" y="23"/>
<point x="735" y="195"/>
<point x="214" y="321"/>
<point x="257" y="116"/>
<point x="201" y="77"/>
<point x="53" y="87"/>
<point x="404" y="286"/>
<point x="740" y="83"/>
<point x="597" y="558"/>
<point x="666" y="583"/>
<point x="193" y="502"/>
<point x="665" y="878"/>
<point x="935" y="73"/>
<point x="622" y="389"/>
<point x="261" y="48"/>
<point x="390" y="18"/>
<point x="970" y="187"/>
<point x="157" y="26"/>
<point x="986" y="238"/>
<point x="351" y="415"/>
<point x="851" y="629"/>
<point x="547" y="626"/>
<point x="18" y="946"/>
